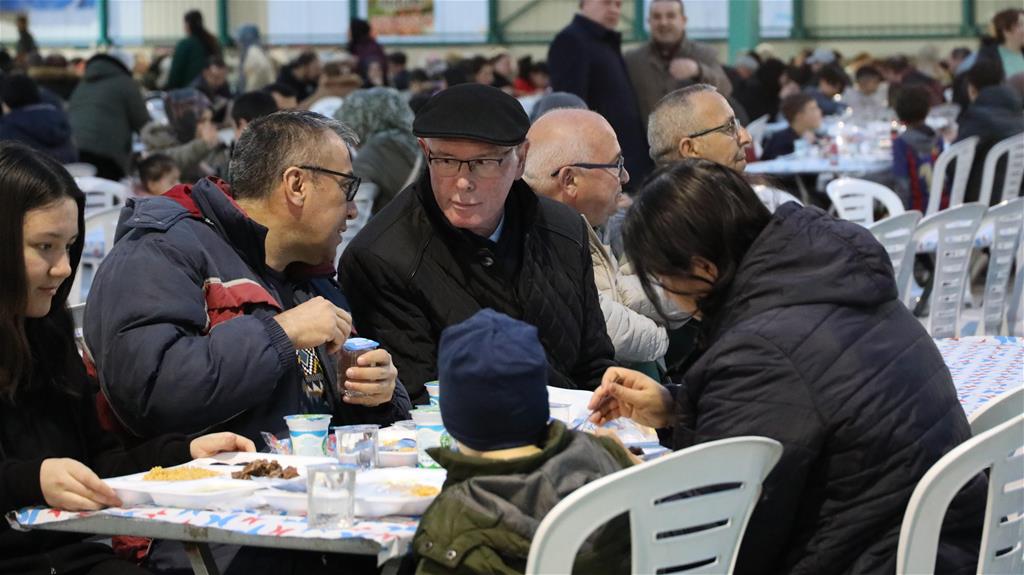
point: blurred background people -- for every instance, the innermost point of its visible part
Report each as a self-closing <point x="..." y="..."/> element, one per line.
<point x="255" y="68"/>
<point x="29" y="120"/>
<point x="193" y="52"/>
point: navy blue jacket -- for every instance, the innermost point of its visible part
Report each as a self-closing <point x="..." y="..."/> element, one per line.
<point x="585" y="59"/>
<point x="43" y="127"/>
<point x="812" y="348"/>
<point x="180" y="323"/>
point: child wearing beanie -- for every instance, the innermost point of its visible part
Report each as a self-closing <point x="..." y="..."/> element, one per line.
<point x="513" y="465"/>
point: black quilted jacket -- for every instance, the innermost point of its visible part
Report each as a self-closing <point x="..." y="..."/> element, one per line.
<point x="409" y="274"/>
<point x="814" y="350"/>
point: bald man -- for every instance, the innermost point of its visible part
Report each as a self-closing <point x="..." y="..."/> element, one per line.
<point x="575" y="159"/>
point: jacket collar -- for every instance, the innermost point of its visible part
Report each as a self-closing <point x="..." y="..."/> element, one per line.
<point x="597" y="30"/>
<point x="462" y="467"/>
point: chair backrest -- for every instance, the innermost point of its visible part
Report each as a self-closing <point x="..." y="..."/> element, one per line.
<point x="896" y="234"/>
<point x="997" y="449"/>
<point x="955" y="228"/>
<point x="686" y="509"/>
<point x="997" y="410"/>
<point x="854" y="199"/>
<point x="756" y="130"/>
<point x="80" y="169"/>
<point x="1007" y="220"/>
<point x="100" y="227"/>
<point x="1012" y="149"/>
<point x="962" y="155"/>
<point x="102" y="193"/>
<point x="1015" y="311"/>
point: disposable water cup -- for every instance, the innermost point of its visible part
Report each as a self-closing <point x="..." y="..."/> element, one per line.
<point x="308" y="432"/>
<point x="331" y="493"/>
<point x="561" y="411"/>
<point x="434" y="391"/>
<point x="357" y="445"/>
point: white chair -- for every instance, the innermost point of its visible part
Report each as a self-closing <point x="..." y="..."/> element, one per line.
<point x="997" y="449"/>
<point x="100" y="227"/>
<point x="1007" y="223"/>
<point x="101" y="193"/>
<point x="670" y="527"/>
<point x="854" y="199"/>
<point x="961" y="154"/>
<point x="1012" y="149"/>
<point x="896" y="234"/>
<point x="756" y="129"/>
<point x="955" y="229"/>
<point x="80" y="170"/>
<point x="998" y="410"/>
<point x="1015" y="311"/>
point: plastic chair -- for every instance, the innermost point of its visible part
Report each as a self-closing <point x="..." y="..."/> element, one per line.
<point x="670" y="527"/>
<point x="996" y="449"/>
<point x="998" y="410"/>
<point x="102" y="193"/>
<point x="854" y="199"/>
<point x="955" y="229"/>
<point x="896" y="234"/>
<point x="80" y="170"/>
<point x="1012" y="149"/>
<point x="100" y="227"/>
<point x="1015" y="311"/>
<point x="1007" y="221"/>
<point x="962" y="155"/>
<point x="756" y="129"/>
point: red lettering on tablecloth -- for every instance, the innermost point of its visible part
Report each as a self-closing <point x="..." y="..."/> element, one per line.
<point x="280" y="530"/>
<point x="251" y="520"/>
<point x="155" y="515"/>
<point x="55" y="512"/>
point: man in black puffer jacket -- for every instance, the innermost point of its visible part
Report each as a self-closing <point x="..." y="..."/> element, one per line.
<point x="470" y="235"/>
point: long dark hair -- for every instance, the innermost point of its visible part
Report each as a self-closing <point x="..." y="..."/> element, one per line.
<point x="688" y="209"/>
<point x="194" y="23"/>
<point x="33" y="349"/>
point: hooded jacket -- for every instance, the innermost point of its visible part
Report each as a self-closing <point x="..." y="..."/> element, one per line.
<point x="812" y="348"/>
<point x="43" y="127"/>
<point x="996" y="114"/>
<point x="105" y="108"/>
<point x="486" y="516"/>
<point x="180" y="322"/>
<point x="410" y="274"/>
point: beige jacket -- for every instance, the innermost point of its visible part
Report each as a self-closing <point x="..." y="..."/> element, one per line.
<point x="651" y="79"/>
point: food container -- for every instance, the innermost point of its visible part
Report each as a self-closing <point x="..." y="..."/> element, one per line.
<point x="429" y="433"/>
<point x="383" y="492"/>
<point x="350" y="352"/>
<point x="295" y="503"/>
<point x="397" y="453"/>
<point x="204" y="493"/>
<point x="434" y="391"/>
<point x="308" y="433"/>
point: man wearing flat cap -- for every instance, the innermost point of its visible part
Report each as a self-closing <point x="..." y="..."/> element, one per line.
<point x="469" y="235"/>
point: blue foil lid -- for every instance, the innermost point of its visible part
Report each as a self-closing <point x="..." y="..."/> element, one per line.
<point x="360" y="344"/>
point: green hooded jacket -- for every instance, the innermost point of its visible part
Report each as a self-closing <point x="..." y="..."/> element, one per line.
<point x="487" y="513"/>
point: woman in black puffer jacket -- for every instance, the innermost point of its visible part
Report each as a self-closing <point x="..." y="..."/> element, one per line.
<point x="803" y="341"/>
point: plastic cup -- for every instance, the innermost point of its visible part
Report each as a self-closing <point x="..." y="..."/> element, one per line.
<point x="434" y="391"/>
<point x="561" y="412"/>
<point x="350" y="352"/>
<point x="429" y="433"/>
<point x="357" y="445"/>
<point x="332" y="496"/>
<point x="308" y="432"/>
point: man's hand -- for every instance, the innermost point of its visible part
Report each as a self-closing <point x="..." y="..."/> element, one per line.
<point x="70" y="485"/>
<point x="374" y="378"/>
<point x="214" y="443"/>
<point x="316" y="322"/>
<point x="684" y="69"/>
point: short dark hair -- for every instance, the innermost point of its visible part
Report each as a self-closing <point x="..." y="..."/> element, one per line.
<point x="42" y="349"/>
<point x="281" y="89"/>
<point x="19" y="90"/>
<point x="397" y="58"/>
<point x="687" y="209"/>
<point x="252" y="105"/>
<point x="960" y="52"/>
<point x="304" y="59"/>
<point x="868" y="71"/>
<point x="985" y="73"/>
<point x="897" y="63"/>
<point x="418" y="75"/>
<point x="1005" y="20"/>
<point x="834" y="75"/>
<point x="913" y="103"/>
<point x="155" y="166"/>
<point x="273" y="143"/>
<point x="793" y="104"/>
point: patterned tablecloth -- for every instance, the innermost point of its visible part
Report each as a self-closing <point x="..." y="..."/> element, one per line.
<point x="983" y="367"/>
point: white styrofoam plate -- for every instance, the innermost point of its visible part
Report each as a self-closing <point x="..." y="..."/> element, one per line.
<point x="385" y="491"/>
<point x="204" y="493"/>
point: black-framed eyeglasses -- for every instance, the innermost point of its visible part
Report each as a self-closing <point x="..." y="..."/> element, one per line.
<point x="480" y="167"/>
<point x="730" y="128"/>
<point x="352" y="181"/>
<point x="619" y="165"/>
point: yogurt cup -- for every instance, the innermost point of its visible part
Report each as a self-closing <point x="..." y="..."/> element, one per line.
<point x="308" y="432"/>
<point x="429" y="433"/>
<point x="434" y="391"/>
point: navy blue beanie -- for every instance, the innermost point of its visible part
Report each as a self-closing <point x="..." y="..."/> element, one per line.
<point x="493" y="376"/>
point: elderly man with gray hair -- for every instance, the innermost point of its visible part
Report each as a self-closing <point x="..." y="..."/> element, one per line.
<point x="575" y="159"/>
<point x="215" y="309"/>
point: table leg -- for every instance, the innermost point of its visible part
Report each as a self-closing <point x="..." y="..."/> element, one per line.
<point x="201" y="558"/>
<point x="805" y="196"/>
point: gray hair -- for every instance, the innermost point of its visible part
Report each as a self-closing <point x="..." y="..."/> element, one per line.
<point x="671" y="120"/>
<point x="269" y="145"/>
<point x="563" y="145"/>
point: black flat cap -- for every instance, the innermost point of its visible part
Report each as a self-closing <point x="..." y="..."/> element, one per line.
<point x="473" y="112"/>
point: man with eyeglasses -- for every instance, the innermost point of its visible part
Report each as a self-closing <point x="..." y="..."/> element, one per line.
<point x="216" y="309"/>
<point x="470" y="234"/>
<point x="575" y="159"/>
